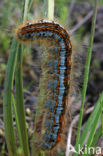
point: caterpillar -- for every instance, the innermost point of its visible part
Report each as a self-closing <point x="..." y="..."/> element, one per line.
<point x="55" y="80"/>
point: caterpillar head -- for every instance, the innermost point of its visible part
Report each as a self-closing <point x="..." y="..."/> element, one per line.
<point x="25" y="33"/>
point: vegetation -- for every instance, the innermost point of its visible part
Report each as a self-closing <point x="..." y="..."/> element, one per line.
<point x="18" y="137"/>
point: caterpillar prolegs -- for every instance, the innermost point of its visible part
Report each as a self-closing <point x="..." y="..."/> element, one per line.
<point x="55" y="80"/>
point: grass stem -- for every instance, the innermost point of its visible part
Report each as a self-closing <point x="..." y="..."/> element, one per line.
<point x="7" y="101"/>
<point x="25" y="10"/>
<point x="51" y="9"/>
<point x="86" y="74"/>
<point x="20" y="103"/>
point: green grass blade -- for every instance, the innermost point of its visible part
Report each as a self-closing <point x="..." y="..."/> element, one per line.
<point x="86" y="75"/>
<point x="92" y="133"/>
<point x="30" y="5"/>
<point x="90" y="122"/>
<point x="100" y="2"/>
<point x="91" y="126"/>
<point x="96" y="121"/>
<point x="7" y="101"/>
<point x="101" y="110"/>
<point x="20" y="103"/>
<point x="26" y="10"/>
<point x="97" y="135"/>
<point x="93" y="130"/>
<point x="17" y="122"/>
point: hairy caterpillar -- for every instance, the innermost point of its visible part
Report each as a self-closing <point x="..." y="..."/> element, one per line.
<point x="55" y="80"/>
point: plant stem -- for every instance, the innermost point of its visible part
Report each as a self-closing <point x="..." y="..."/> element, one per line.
<point x="51" y="9"/>
<point x="101" y="110"/>
<point x="20" y="103"/>
<point x="17" y="121"/>
<point x="7" y="101"/>
<point x="86" y="74"/>
<point x="30" y="5"/>
<point x="25" y="10"/>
